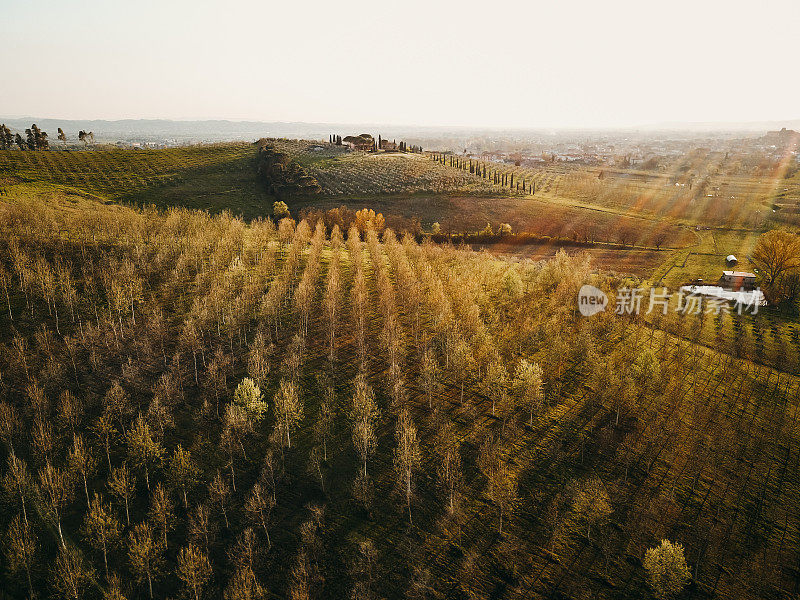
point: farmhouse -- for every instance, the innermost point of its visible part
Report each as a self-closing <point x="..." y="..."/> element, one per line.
<point x="387" y="145"/>
<point x="739" y="279"/>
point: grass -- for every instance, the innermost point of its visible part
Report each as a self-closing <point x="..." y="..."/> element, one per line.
<point x="213" y="177"/>
<point x="628" y="207"/>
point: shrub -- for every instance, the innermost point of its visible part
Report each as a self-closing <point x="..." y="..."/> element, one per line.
<point x="666" y="567"/>
<point x="280" y="209"/>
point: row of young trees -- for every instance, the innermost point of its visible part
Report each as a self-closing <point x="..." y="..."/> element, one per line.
<point x="493" y="174"/>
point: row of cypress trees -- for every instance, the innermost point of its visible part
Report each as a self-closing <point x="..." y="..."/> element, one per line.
<point x="478" y="168"/>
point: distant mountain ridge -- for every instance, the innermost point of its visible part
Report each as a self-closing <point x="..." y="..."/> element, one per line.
<point x="220" y="130"/>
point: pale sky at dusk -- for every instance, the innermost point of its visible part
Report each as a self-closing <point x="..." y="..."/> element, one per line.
<point x="521" y="64"/>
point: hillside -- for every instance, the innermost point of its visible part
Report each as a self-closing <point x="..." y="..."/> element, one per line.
<point x="125" y="336"/>
<point x="678" y="221"/>
<point x="211" y="177"/>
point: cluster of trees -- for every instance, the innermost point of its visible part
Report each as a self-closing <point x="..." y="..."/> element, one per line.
<point x="776" y="256"/>
<point x="194" y="405"/>
<point x="366" y="141"/>
<point x="282" y="175"/>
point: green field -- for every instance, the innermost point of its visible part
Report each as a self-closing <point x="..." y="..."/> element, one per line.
<point x="212" y="177"/>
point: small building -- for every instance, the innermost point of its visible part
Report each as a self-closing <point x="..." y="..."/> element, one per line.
<point x="731" y="260"/>
<point x="739" y="279"/>
<point x="387" y="145"/>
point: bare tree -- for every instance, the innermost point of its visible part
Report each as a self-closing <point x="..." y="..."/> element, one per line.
<point x="364" y="414"/>
<point x="71" y="574"/>
<point x="288" y="408"/>
<point x="57" y="488"/>
<point x="145" y="555"/>
<point x="101" y="527"/>
<point x="194" y="569"/>
<point x="82" y="462"/>
<point x="21" y="545"/>
<point x="407" y="455"/>
<point x="122" y="484"/>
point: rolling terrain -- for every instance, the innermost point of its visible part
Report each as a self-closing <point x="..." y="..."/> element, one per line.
<point x="128" y="333"/>
<point x="639" y="433"/>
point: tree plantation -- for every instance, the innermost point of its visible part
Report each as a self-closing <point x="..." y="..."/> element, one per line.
<point x="195" y="406"/>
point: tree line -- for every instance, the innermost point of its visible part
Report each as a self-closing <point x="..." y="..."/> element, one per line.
<point x="36" y="139"/>
<point x="365" y="140"/>
<point x="479" y="168"/>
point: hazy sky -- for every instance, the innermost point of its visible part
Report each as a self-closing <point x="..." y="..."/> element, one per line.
<point x="490" y="63"/>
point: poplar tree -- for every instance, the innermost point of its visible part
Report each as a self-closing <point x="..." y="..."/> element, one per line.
<point x="57" y="489"/>
<point x="288" y="409"/>
<point x="162" y="513"/>
<point x="82" y="462"/>
<point x="451" y="476"/>
<point x="21" y="546"/>
<point x="145" y="555"/>
<point x="71" y="574"/>
<point x="407" y="455"/>
<point x="101" y="527"/>
<point x="502" y="491"/>
<point x="259" y="505"/>
<point x="364" y="414"/>
<point x="183" y="472"/>
<point x="144" y="451"/>
<point x="194" y="569"/>
<point x="527" y="386"/>
<point x="18" y="481"/>
<point x="122" y="484"/>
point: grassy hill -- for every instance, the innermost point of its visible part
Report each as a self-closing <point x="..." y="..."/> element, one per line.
<point x="151" y="320"/>
<point x="681" y="225"/>
<point x="212" y="177"/>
